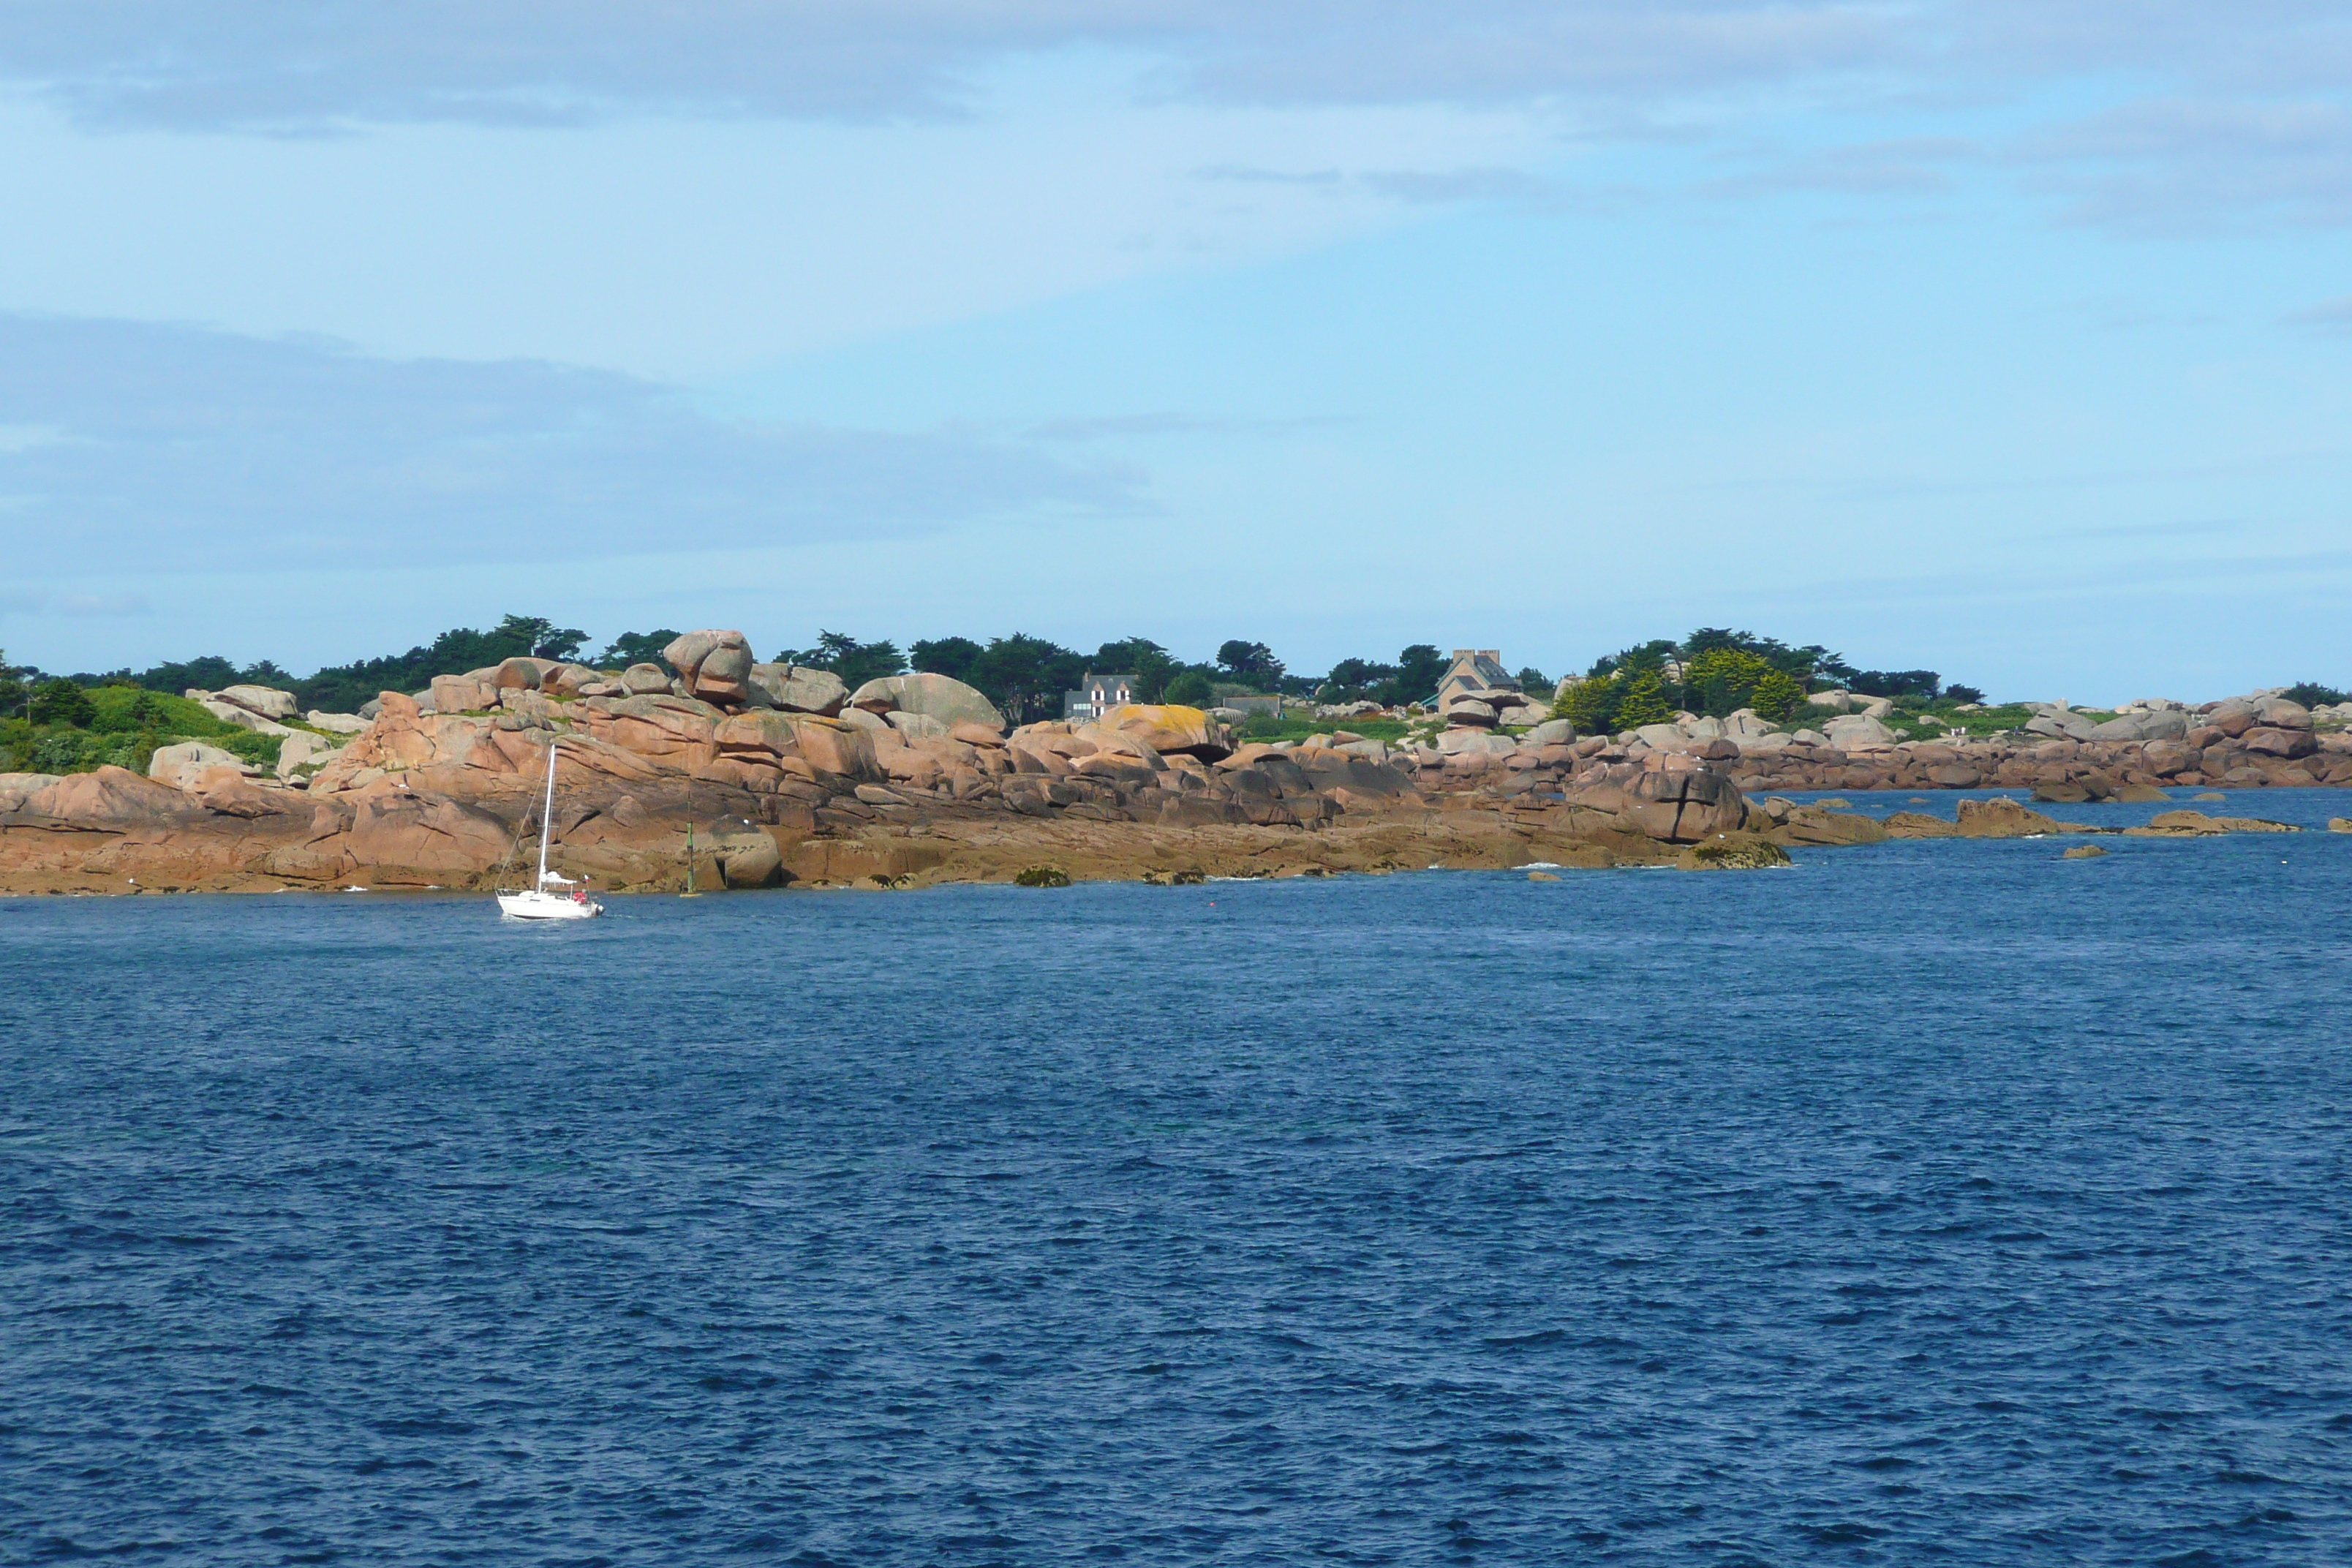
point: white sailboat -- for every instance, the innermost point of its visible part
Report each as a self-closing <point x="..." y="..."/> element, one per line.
<point x="547" y="900"/>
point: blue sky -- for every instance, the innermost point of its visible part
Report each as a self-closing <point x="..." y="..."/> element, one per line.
<point x="2009" y="339"/>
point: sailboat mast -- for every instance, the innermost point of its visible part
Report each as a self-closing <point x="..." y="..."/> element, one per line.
<point x="547" y="815"/>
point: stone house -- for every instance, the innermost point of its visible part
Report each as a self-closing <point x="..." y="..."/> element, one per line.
<point x="1097" y="695"/>
<point x="1474" y="669"/>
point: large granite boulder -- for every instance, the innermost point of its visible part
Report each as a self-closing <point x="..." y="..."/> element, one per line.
<point x="1859" y="733"/>
<point x="645" y="679"/>
<point x="2275" y="713"/>
<point x="462" y="694"/>
<point x="1686" y="805"/>
<point x="303" y="752"/>
<point x="2280" y="742"/>
<point x="336" y="723"/>
<point x="826" y="746"/>
<point x="713" y="666"/>
<point x="108" y="796"/>
<point x="182" y="765"/>
<point x="796" y="689"/>
<point x="242" y="717"/>
<point x="427" y="836"/>
<point x="1170" y="729"/>
<point x="520" y="673"/>
<point x="1468" y="741"/>
<point x="1664" y="737"/>
<point x="916" y="725"/>
<point x="935" y="695"/>
<point x="264" y="700"/>
<point x="1550" y="732"/>
<point x="2236" y="716"/>
<point x="2059" y="725"/>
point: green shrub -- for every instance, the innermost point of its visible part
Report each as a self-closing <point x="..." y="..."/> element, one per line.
<point x="126" y="709"/>
<point x="1191" y="689"/>
<point x="61" y="701"/>
<point x="1043" y="876"/>
<point x="1644" y="702"/>
<point x="1776" y="696"/>
<point x="82" y="751"/>
<point x="246" y="746"/>
<point x="1591" y="705"/>
<point x="2311" y="694"/>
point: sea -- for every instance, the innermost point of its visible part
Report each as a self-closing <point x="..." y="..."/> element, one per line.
<point x="1931" y="1201"/>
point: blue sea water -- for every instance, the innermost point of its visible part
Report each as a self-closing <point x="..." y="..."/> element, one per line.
<point x="1932" y="1201"/>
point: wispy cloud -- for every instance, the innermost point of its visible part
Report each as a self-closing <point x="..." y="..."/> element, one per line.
<point x="2175" y="165"/>
<point x="2330" y="316"/>
<point x="2220" y="116"/>
<point x="192" y="448"/>
<point x="1430" y="187"/>
<point x="1241" y="174"/>
<point x="1120" y="426"/>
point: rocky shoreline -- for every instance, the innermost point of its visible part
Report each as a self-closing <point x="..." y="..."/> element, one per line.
<point x="786" y="779"/>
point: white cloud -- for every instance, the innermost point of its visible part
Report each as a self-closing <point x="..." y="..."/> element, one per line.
<point x="2218" y="114"/>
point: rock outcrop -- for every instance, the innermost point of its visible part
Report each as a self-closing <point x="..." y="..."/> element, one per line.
<point x="713" y="665"/>
<point x="797" y="688"/>
<point x="933" y="696"/>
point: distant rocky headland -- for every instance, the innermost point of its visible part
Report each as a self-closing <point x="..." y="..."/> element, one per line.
<point x="786" y="773"/>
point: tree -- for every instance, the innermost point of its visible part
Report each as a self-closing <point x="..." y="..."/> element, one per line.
<point x="61" y="701"/>
<point x="1190" y="687"/>
<point x="1922" y="683"/>
<point x="1532" y="680"/>
<point x="637" y="648"/>
<point x="1419" y="669"/>
<point x="541" y="638"/>
<point x="855" y="662"/>
<point x="1150" y="664"/>
<point x="1248" y="661"/>
<point x="15" y="684"/>
<point x="958" y="658"/>
<point x="341" y="688"/>
<point x="1959" y="693"/>
<point x="1644" y="701"/>
<point x="1724" y="679"/>
<point x="1357" y="680"/>
<point x="1589" y="705"/>
<point x="1026" y="676"/>
<point x="1776" y="696"/>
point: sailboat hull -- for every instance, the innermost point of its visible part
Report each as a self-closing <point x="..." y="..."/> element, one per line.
<point x="530" y="906"/>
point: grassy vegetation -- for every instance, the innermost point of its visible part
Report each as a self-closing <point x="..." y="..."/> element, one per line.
<point x="1267" y="727"/>
<point x="119" y="726"/>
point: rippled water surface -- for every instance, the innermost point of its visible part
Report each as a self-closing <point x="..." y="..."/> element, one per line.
<point x="1931" y="1202"/>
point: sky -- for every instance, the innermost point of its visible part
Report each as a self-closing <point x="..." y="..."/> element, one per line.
<point x="2008" y="338"/>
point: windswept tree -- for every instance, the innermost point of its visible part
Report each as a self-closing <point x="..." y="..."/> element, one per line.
<point x="341" y="688"/>
<point x="61" y="701"/>
<point x="14" y="685"/>
<point x="1151" y="666"/>
<point x="541" y="638"/>
<point x="1026" y="676"/>
<point x="958" y="658"/>
<point x="1249" y="661"/>
<point x="637" y="648"/>
<point x="855" y="662"/>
